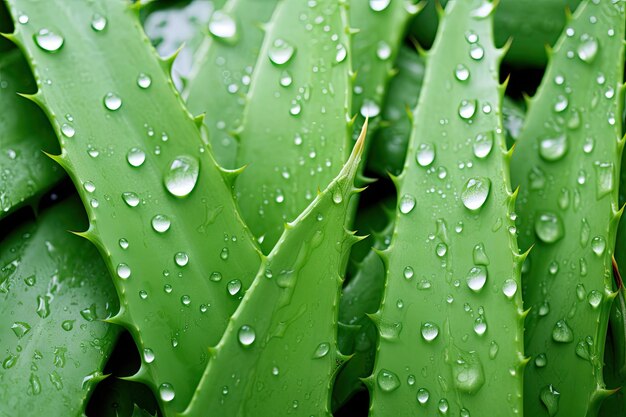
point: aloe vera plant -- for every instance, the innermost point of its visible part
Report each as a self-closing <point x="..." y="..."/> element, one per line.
<point x="156" y="223"/>
<point x="452" y="266"/>
<point x="55" y="289"/>
<point x="26" y="172"/>
<point x="168" y="302"/>
<point x="567" y="164"/>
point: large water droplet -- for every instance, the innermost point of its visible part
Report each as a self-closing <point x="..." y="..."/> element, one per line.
<point x="182" y="176"/>
<point x="604" y="178"/>
<point x="550" y="398"/>
<point x="161" y="223"/>
<point x="48" y="40"/>
<point x="598" y="245"/>
<point x="123" y="271"/>
<point x="425" y="154"/>
<point x="233" y="287"/>
<point x="553" y="148"/>
<point x="467" y="372"/>
<point x="181" y="259"/>
<point x="509" y="288"/>
<point x="246" y="335"/>
<point x="144" y="80"/>
<point x="483" y="143"/>
<point x="443" y="406"/>
<point x="594" y="298"/>
<point x="131" y="199"/>
<point x="476" y="278"/>
<point x="223" y="26"/>
<point x="588" y="49"/>
<point x="136" y="157"/>
<point x="20" y="328"/>
<point x="321" y="350"/>
<point x="281" y="52"/>
<point x="98" y="22"/>
<point x="379" y="5"/>
<point x="422" y="396"/>
<point x="461" y="72"/>
<point x="148" y="355"/>
<point x="166" y="392"/>
<point x="548" y="227"/>
<point x="475" y="192"/>
<point x="562" y="333"/>
<point x="370" y="108"/>
<point x="407" y="204"/>
<point x="112" y="101"/>
<point x="387" y="380"/>
<point x="467" y="109"/>
<point x="430" y="331"/>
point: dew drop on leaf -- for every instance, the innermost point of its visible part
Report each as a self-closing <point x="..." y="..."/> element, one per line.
<point x="562" y="333"/>
<point x="223" y="26"/>
<point x="476" y="278"/>
<point x="407" y="204"/>
<point x="387" y="381"/>
<point x="48" y="40"/>
<point x="161" y="223"/>
<point x="166" y="392"/>
<point x="144" y="80"/>
<point x="136" y="157"/>
<point x="548" y="227"/>
<point x="112" y="101"/>
<point x="379" y="5"/>
<point x="429" y="331"/>
<point x="182" y="175"/>
<point x="98" y="22"/>
<point x="475" y="193"/>
<point x="422" y="396"/>
<point x="281" y="52"/>
<point x="321" y="350"/>
<point x="246" y="335"/>
<point x="425" y="154"/>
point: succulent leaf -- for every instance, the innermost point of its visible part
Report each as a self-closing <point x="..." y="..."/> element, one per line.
<point x="566" y="163"/>
<point x="450" y="323"/>
<point x="224" y="65"/>
<point x="54" y="291"/>
<point x="160" y="209"/>
<point x="530" y="24"/>
<point x="25" y="171"/>
<point x="296" y="132"/>
<point x="297" y="288"/>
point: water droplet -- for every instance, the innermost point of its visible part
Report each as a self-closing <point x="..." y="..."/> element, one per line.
<point x="89" y="313"/>
<point x="441" y="250"/>
<point x="181" y="259"/>
<point x="550" y="398"/>
<point x="148" y="355"/>
<point x="185" y="300"/>
<point x="594" y="298"/>
<point x="588" y="49"/>
<point x="408" y="272"/>
<point x="425" y="154"/>
<point x="143" y="294"/>
<point x="598" y="245"/>
<point x="246" y="335"/>
<point x="422" y="396"/>
<point x="43" y="306"/>
<point x="144" y="80"/>
<point x="285" y="78"/>
<point x="98" y="22"/>
<point x="223" y="26"/>
<point x="67" y="325"/>
<point x="461" y="72"/>
<point x="480" y="326"/>
<point x="9" y="361"/>
<point x="561" y="104"/>
<point x="604" y="178"/>
<point x="383" y="51"/>
<point x="541" y="360"/>
<point x="483" y="145"/>
<point x="216" y="277"/>
<point x="476" y="278"/>
<point x="407" y="204"/>
<point x="23" y="18"/>
<point x="281" y="52"/>
<point x="123" y="271"/>
<point x="379" y="5"/>
<point x="443" y="406"/>
<point x="475" y="193"/>
<point x="161" y="223"/>
<point x="233" y="287"/>
<point x="131" y="199"/>
<point x="20" y="328"/>
<point x="476" y="52"/>
<point x="479" y="255"/>
<point x="321" y="350"/>
<point x="166" y="392"/>
<point x="467" y="109"/>
<point x="493" y="349"/>
<point x="341" y="54"/>
<point x="562" y="333"/>
<point x="553" y="148"/>
<point x="430" y="331"/>
<point x="182" y="176"/>
<point x="48" y="40"/>
<point x="548" y="227"/>
<point x="509" y="288"/>
<point x="68" y="130"/>
<point x="369" y="108"/>
<point x="387" y="380"/>
<point x="136" y="157"/>
<point x="467" y="372"/>
<point x="112" y="101"/>
<point x="224" y="254"/>
<point x="89" y="186"/>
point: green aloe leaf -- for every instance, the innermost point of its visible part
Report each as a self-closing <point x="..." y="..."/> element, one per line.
<point x="283" y="360"/>
<point x="296" y="132"/>
<point x="161" y="211"/>
<point x="223" y="70"/>
<point x="531" y="24"/>
<point x="380" y="26"/>
<point x="391" y="140"/>
<point x="55" y="291"/>
<point x="25" y="171"/>
<point x="451" y="318"/>
<point x="567" y="163"/>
